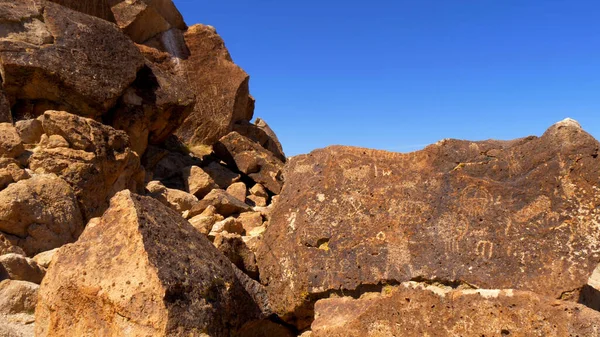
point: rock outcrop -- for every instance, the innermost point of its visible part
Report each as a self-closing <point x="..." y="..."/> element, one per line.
<point x="222" y="93"/>
<point x="521" y="214"/>
<point x="17" y="305"/>
<point x="414" y="309"/>
<point x="142" y="269"/>
<point x="40" y="214"/>
<point x="56" y="58"/>
<point x="97" y="164"/>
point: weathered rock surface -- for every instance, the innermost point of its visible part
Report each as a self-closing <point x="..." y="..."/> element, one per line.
<point x="157" y="102"/>
<point x="221" y="87"/>
<point x="236" y="250"/>
<point x="197" y="181"/>
<point x="20" y="268"/>
<point x="17" y="305"/>
<point x="143" y="19"/>
<point x="251" y="159"/>
<point x="177" y="200"/>
<point x="261" y="133"/>
<point x="522" y="214"/>
<point x="30" y="130"/>
<point x="238" y="190"/>
<point x="56" y="58"/>
<point x="5" y="113"/>
<point x="222" y="176"/>
<point x="97" y="164"/>
<point x="420" y="310"/>
<point x="225" y="204"/>
<point x="11" y="145"/>
<point x="11" y="172"/>
<point x="40" y="213"/>
<point x="143" y="270"/>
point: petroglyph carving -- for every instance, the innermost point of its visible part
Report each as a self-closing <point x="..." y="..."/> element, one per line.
<point x="476" y="200"/>
<point x="409" y="211"/>
<point x="484" y="249"/>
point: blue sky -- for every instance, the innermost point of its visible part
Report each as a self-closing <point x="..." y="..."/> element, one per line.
<point x="397" y="75"/>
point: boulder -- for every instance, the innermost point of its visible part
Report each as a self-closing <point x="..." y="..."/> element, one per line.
<point x="139" y="19"/>
<point x="143" y="270"/>
<point x="256" y="201"/>
<point x="221" y="87"/>
<point x="238" y="190"/>
<point x="157" y="103"/>
<point x="41" y="213"/>
<point x="225" y="204"/>
<point x="11" y="172"/>
<point x="228" y="225"/>
<point x="17" y="304"/>
<point x="5" y="112"/>
<point x="17" y="297"/>
<point x="97" y="164"/>
<point x="8" y="245"/>
<point x="222" y="176"/>
<point x="11" y="145"/>
<point x="259" y="191"/>
<point x="177" y="200"/>
<point x="250" y="220"/>
<point x="516" y="214"/>
<point x="30" y="130"/>
<point x="261" y="133"/>
<point x="44" y="259"/>
<point x="251" y="159"/>
<point x="197" y="181"/>
<point x="20" y="268"/>
<point x="232" y="246"/>
<point x="414" y="309"/>
<point x="56" y="58"/>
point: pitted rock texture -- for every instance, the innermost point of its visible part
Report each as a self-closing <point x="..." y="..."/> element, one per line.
<point x="98" y="162"/>
<point x="251" y="159"/>
<point x="56" y="58"/>
<point x="143" y="270"/>
<point x="221" y="87"/>
<point x="40" y="214"/>
<point x="419" y="310"/>
<point x="521" y="214"/>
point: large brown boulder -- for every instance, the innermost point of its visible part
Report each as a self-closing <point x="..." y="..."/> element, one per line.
<point x="414" y="309"/>
<point x="97" y="164"/>
<point x="139" y="19"/>
<point x="40" y="214"/>
<point x="157" y="103"/>
<point x="521" y="214"/>
<point x="251" y="159"/>
<point x="221" y="88"/>
<point x="5" y="112"/>
<point x="261" y="133"/>
<point x="11" y="145"/>
<point x="20" y="268"/>
<point x="17" y="304"/>
<point x="55" y="58"/>
<point x="144" y="270"/>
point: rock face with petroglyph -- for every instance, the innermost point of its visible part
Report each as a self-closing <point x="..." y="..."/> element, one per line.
<point x="520" y="214"/>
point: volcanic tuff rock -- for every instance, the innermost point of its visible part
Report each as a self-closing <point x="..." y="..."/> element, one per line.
<point x="522" y="214"/>
<point x="56" y="58"/>
<point x="17" y="304"/>
<point x="142" y="269"/>
<point x="414" y="309"/>
<point x="221" y="87"/>
<point x="20" y="268"/>
<point x="97" y="164"/>
<point x="40" y="214"/>
<point x="251" y="159"/>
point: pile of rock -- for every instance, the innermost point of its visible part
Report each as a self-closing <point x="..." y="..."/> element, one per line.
<point x="137" y="198"/>
<point x="105" y="101"/>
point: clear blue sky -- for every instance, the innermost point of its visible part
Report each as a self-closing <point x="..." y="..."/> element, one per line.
<point x="397" y="75"/>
